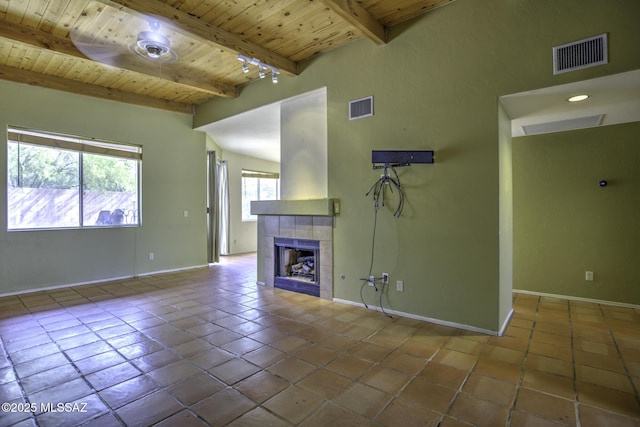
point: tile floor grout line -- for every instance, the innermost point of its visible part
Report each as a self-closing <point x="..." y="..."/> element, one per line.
<point x="353" y="381"/>
<point x="524" y="363"/>
<point x="178" y="293"/>
<point x="399" y="392"/>
<point x="458" y="391"/>
<point x="111" y="410"/>
<point x="95" y="391"/>
<point x="576" y="402"/>
<point x="620" y="356"/>
<point x="34" y="415"/>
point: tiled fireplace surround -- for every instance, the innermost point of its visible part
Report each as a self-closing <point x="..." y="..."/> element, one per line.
<point x="301" y="227"/>
<point x="313" y="227"/>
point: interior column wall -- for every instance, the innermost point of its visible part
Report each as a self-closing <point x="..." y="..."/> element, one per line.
<point x="303" y="147"/>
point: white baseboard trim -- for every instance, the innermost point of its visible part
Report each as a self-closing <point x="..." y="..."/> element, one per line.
<point x="173" y="270"/>
<point x="505" y="324"/>
<point x="572" y="298"/>
<point x="95" y="282"/>
<point x="422" y="318"/>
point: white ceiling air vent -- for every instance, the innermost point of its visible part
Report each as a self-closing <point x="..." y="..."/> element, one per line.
<point x="563" y="125"/>
<point x="580" y="54"/>
<point x="361" y="108"/>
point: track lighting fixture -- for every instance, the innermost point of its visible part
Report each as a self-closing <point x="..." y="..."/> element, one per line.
<point x="262" y="67"/>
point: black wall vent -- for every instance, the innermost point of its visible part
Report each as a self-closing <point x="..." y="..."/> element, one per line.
<point x="580" y="54"/>
<point x="361" y="108"/>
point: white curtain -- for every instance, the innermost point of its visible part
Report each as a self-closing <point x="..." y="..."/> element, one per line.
<point x="223" y="202"/>
<point x="213" y="224"/>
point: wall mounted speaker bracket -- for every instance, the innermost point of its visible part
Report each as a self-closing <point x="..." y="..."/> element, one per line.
<point x="401" y="158"/>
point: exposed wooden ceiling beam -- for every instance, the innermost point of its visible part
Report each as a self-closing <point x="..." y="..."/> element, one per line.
<point x="41" y="39"/>
<point x="195" y="26"/>
<point x="37" y="79"/>
<point x="358" y="16"/>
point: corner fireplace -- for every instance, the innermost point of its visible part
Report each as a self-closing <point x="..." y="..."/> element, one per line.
<point x="297" y="265"/>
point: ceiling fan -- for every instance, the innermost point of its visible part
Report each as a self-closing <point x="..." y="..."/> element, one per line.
<point x="112" y="36"/>
<point x="153" y="45"/>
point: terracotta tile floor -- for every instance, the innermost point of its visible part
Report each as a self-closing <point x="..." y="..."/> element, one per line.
<point x="210" y="347"/>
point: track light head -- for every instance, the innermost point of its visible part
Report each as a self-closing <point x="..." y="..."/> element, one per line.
<point x="262" y="67"/>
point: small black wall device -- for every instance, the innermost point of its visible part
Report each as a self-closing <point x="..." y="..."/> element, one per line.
<point x="401" y="157"/>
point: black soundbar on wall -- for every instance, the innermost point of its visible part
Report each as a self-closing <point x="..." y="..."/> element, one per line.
<point x="401" y="157"/>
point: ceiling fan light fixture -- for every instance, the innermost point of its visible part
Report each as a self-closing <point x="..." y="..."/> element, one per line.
<point x="153" y="46"/>
<point x="154" y="43"/>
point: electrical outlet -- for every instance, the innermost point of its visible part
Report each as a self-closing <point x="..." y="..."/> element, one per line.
<point x="151" y="256"/>
<point x="372" y="280"/>
<point x="385" y="278"/>
<point x="400" y="286"/>
<point x="588" y="276"/>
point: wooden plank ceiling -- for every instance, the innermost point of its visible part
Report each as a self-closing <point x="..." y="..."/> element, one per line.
<point x="85" y="46"/>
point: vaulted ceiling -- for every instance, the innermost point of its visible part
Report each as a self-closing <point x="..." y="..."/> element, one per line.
<point x="89" y="46"/>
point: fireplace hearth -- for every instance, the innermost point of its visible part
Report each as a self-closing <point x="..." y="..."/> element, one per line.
<point x="297" y="264"/>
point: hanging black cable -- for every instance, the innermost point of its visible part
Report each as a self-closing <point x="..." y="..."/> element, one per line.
<point x="382" y="183"/>
<point x="378" y="190"/>
<point x="366" y="280"/>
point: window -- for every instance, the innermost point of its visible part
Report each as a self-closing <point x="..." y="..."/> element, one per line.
<point x="258" y="186"/>
<point x="57" y="181"/>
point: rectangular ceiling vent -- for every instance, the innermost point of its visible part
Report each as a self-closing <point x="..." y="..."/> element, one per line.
<point x="580" y="54"/>
<point x="564" y="125"/>
<point x="361" y="108"/>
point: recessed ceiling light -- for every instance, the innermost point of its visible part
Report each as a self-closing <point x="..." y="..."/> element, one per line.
<point x="578" y="98"/>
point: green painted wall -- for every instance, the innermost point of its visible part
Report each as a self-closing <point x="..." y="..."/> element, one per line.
<point x="436" y="85"/>
<point x="565" y="224"/>
<point x="243" y="235"/>
<point x="173" y="180"/>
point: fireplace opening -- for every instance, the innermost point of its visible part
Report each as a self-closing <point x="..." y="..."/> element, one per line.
<point x="297" y="265"/>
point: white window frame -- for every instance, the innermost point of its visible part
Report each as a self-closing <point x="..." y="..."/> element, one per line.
<point x="80" y="145"/>
<point x="246" y="216"/>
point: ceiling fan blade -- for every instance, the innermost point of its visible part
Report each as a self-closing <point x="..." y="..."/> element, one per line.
<point x="105" y="54"/>
<point x="108" y="39"/>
